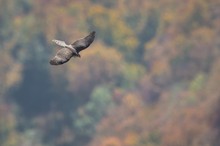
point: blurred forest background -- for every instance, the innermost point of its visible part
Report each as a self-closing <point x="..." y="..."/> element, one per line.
<point x="151" y="78"/>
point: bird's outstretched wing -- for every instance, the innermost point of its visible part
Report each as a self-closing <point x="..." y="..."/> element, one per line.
<point x="60" y="43"/>
<point x="84" y="43"/>
<point x="62" y="56"/>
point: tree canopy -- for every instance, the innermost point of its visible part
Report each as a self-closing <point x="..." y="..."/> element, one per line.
<point x="151" y="78"/>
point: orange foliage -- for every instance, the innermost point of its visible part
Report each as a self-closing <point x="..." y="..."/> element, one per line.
<point x="167" y="95"/>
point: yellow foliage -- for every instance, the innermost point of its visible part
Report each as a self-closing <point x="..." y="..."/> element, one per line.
<point x="131" y="101"/>
<point x="168" y="16"/>
<point x="131" y="139"/>
<point x="13" y="139"/>
<point x="13" y="76"/>
<point x="111" y="26"/>
<point x="160" y="67"/>
<point x="111" y="141"/>
<point x="203" y="35"/>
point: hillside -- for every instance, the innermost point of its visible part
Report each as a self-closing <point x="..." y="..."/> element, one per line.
<point x="151" y="78"/>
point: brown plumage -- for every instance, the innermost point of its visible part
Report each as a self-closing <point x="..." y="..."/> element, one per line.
<point x="68" y="51"/>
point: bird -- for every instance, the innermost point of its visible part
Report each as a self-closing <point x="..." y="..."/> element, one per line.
<point x="71" y="50"/>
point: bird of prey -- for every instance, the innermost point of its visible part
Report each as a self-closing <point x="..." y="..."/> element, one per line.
<point x="72" y="50"/>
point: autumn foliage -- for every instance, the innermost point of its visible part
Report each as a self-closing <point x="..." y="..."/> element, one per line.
<point x="151" y="78"/>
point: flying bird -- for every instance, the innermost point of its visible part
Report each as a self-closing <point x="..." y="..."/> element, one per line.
<point x="72" y="50"/>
